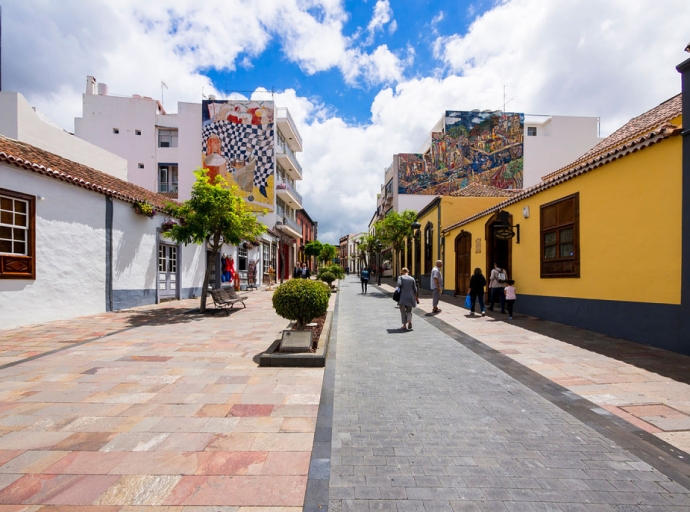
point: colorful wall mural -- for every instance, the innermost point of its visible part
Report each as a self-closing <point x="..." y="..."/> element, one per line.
<point x="476" y="147"/>
<point x="238" y="144"/>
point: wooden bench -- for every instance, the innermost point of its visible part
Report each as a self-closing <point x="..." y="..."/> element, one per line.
<point x="226" y="298"/>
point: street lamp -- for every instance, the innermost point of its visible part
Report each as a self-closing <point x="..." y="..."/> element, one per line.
<point x="378" y="249"/>
<point x="358" y="257"/>
<point x="416" y="226"/>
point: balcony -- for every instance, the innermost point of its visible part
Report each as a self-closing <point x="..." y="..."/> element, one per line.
<point x="288" y="160"/>
<point x="289" y="194"/>
<point x="288" y="127"/>
<point x="289" y="227"/>
<point x="167" y="189"/>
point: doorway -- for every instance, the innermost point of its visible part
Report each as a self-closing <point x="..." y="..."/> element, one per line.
<point x="498" y="250"/>
<point x="167" y="272"/>
<point x="463" y="268"/>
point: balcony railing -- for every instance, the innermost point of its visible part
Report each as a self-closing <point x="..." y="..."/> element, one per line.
<point x="285" y="185"/>
<point x="284" y="113"/>
<point x="292" y="224"/>
<point x="167" y="189"/>
<point x="284" y="148"/>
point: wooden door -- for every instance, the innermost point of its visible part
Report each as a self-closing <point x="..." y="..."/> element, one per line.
<point x="463" y="268"/>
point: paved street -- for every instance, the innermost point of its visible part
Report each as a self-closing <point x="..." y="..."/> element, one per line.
<point x="422" y="422"/>
<point x="160" y="409"/>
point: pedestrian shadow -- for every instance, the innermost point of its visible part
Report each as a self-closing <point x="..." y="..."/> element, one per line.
<point x="399" y="330"/>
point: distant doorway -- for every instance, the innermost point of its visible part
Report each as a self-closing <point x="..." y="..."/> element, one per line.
<point x="463" y="265"/>
<point x="498" y="250"/>
<point x="167" y="272"/>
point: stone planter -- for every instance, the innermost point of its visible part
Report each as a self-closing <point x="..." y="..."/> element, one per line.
<point x="316" y="359"/>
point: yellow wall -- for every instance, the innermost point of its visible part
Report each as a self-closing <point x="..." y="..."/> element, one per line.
<point x="630" y="231"/>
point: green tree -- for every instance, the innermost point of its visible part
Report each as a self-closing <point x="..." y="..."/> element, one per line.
<point x="367" y="246"/>
<point x="394" y="229"/>
<point x="313" y="249"/>
<point x="327" y="253"/>
<point x="214" y="214"/>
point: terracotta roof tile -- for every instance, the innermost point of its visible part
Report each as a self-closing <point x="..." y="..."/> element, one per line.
<point x="639" y="133"/>
<point x="635" y="128"/>
<point x="49" y="164"/>
<point x="479" y="190"/>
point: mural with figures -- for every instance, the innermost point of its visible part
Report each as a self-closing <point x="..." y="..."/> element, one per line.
<point x="476" y="147"/>
<point x="238" y="144"/>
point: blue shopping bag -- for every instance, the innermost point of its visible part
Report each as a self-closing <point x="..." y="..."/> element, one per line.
<point x="468" y="302"/>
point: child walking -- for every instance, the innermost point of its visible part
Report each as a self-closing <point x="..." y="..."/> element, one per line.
<point x="510" y="297"/>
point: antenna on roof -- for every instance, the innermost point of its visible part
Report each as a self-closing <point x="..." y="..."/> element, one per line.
<point x="504" y="99"/>
<point x="163" y="84"/>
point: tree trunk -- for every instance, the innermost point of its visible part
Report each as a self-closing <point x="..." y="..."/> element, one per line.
<point x="210" y="263"/>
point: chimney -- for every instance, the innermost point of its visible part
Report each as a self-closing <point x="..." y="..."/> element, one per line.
<point x="102" y="90"/>
<point x="90" y="85"/>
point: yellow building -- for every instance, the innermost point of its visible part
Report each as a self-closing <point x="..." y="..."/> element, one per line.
<point x="598" y="244"/>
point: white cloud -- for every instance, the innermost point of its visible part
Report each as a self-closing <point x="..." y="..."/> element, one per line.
<point x="382" y="15"/>
<point x="614" y="59"/>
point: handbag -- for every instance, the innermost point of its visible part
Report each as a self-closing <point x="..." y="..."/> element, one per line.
<point x="396" y="295"/>
<point x="468" y="301"/>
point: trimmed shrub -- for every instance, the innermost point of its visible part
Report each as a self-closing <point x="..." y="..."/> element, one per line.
<point x="327" y="277"/>
<point x="337" y="271"/>
<point x="301" y="300"/>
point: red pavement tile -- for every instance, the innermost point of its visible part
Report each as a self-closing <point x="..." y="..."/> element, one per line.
<point x="232" y="442"/>
<point x="229" y="463"/>
<point x="286" y="463"/>
<point x="87" y="463"/>
<point x="262" y="491"/>
<point x="251" y="410"/>
<point x="8" y="455"/>
<point x="632" y="419"/>
<point x="56" y="489"/>
<point x="642" y="411"/>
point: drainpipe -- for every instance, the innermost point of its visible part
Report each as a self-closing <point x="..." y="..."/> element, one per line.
<point x="684" y="328"/>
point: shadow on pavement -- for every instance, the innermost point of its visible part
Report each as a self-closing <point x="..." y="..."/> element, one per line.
<point x="662" y="362"/>
<point x="173" y="315"/>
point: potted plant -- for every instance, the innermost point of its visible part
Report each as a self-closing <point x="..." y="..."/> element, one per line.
<point x="144" y="208"/>
<point x="301" y="300"/>
<point x="168" y="225"/>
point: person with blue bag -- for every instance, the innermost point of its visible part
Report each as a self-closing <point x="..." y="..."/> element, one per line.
<point x="476" y="291"/>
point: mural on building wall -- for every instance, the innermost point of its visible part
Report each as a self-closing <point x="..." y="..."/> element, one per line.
<point x="476" y="147"/>
<point x="238" y="144"/>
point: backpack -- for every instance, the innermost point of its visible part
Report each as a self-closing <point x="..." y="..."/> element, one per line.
<point x="501" y="276"/>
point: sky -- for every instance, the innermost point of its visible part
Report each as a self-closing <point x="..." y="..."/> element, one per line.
<point x="363" y="80"/>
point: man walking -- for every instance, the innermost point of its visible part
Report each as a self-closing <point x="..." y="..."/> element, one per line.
<point x="436" y="285"/>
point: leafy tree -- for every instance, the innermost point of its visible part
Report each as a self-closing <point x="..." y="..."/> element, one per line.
<point x="367" y="246"/>
<point x="313" y="249"/>
<point x="393" y="229"/>
<point x="328" y="252"/>
<point x="214" y="214"/>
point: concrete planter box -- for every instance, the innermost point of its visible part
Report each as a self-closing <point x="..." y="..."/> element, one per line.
<point x="309" y="360"/>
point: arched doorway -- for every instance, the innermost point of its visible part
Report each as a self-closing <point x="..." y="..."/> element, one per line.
<point x="498" y="250"/>
<point x="463" y="269"/>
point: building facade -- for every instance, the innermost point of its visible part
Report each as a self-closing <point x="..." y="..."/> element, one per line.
<point x="309" y="234"/>
<point x="162" y="150"/>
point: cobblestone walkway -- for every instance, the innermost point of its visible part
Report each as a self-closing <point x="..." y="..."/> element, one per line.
<point x="420" y="422"/>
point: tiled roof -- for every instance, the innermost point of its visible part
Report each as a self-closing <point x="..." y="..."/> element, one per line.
<point x="633" y="129"/>
<point x="49" y="164"/>
<point x="639" y="133"/>
<point x="479" y="190"/>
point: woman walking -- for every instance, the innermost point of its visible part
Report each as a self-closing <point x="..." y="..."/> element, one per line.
<point x="408" y="297"/>
<point x="476" y="291"/>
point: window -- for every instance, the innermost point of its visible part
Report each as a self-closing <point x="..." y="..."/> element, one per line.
<point x="140" y="166"/>
<point x="116" y="131"/>
<point x="167" y="138"/>
<point x="242" y="257"/>
<point x="531" y="131"/>
<point x="137" y="132"/>
<point x="167" y="178"/>
<point x="428" y="247"/>
<point x="560" y="241"/>
<point x="17" y="235"/>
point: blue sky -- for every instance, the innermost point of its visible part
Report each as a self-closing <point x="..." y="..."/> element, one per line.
<point x="363" y="80"/>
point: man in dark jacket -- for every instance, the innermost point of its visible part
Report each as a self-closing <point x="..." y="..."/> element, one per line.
<point x="305" y="273"/>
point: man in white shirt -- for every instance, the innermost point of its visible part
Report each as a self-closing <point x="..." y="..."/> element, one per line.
<point x="436" y="285"/>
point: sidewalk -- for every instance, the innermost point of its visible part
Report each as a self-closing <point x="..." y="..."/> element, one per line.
<point x="434" y="419"/>
<point x="154" y="407"/>
<point x="646" y="386"/>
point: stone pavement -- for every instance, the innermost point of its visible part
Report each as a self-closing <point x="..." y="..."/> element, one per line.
<point x="154" y="407"/>
<point x="434" y="419"/>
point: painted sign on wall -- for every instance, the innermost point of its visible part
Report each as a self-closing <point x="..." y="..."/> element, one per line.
<point x="238" y="144"/>
<point x="476" y="147"/>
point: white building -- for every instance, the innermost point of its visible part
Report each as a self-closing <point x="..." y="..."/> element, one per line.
<point x="549" y="142"/>
<point x="72" y="244"/>
<point x="163" y="149"/>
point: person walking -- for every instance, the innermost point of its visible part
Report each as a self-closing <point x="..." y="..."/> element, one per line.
<point x="510" y="297"/>
<point x="476" y="291"/>
<point x="408" y="297"/>
<point x="436" y="285"/>
<point x="364" y="277"/>
<point x="497" y="282"/>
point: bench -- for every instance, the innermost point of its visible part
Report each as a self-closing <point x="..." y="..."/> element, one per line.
<point x="226" y="298"/>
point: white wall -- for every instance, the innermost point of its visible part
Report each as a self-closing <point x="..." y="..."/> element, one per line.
<point x="413" y="202"/>
<point x="101" y="114"/>
<point x="189" y="150"/>
<point x="559" y="141"/>
<point x="18" y="121"/>
<point x="70" y="253"/>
